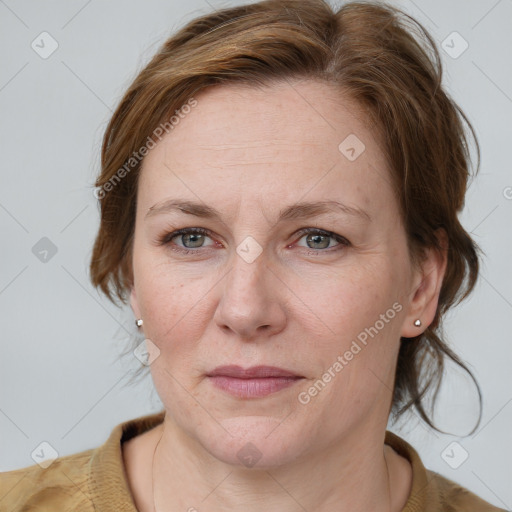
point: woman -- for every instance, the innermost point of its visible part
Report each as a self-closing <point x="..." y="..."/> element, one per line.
<point x="279" y="196"/>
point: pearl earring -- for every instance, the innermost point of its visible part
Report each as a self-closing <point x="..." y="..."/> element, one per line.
<point x="139" y="322"/>
<point x="417" y="322"/>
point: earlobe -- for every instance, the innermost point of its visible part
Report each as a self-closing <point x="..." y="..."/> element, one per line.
<point x="426" y="289"/>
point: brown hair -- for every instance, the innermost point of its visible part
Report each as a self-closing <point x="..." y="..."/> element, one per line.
<point x="384" y="60"/>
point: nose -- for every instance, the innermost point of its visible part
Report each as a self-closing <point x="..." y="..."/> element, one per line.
<point x="251" y="303"/>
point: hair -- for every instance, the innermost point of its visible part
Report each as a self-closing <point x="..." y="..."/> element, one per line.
<point x="384" y="60"/>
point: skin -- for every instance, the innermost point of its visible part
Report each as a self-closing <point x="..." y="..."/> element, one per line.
<point x="250" y="152"/>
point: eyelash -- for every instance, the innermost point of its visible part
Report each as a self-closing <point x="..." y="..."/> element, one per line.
<point x="168" y="237"/>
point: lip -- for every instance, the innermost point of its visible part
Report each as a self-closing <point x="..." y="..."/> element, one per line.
<point x="254" y="382"/>
<point x="254" y="372"/>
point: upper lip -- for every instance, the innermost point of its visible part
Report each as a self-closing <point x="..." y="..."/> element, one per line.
<point x="252" y="372"/>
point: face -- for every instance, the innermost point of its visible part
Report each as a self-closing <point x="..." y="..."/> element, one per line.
<point x="259" y="277"/>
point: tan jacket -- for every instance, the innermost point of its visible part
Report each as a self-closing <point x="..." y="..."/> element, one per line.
<point x="95" y="480"/>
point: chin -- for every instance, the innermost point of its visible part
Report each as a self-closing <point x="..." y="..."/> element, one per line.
<point x="253" y="442"/>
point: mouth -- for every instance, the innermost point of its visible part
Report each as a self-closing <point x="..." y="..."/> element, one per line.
<point x="254" y="382"/>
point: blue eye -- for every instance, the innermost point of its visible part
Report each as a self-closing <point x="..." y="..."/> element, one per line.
<point x="192" y="239"/>
<point x="321" y="240"/>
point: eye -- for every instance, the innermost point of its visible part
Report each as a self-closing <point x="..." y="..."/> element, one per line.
<point x="319" y="240"/>
<point x="187" y="239"/>
<point x="190" y="240"/>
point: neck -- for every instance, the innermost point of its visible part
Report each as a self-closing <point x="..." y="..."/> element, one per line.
<point x="358" y="473"/>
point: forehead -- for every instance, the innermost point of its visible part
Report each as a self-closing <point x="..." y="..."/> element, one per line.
<point x="299" y="116"/>
<point x="269" y="144"/>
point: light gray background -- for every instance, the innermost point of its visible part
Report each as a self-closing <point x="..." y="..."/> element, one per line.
<point x="61" y="378"/>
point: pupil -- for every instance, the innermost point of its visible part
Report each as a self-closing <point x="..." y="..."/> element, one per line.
<point x="317" y="239"/>
<point x="193" y="238"/>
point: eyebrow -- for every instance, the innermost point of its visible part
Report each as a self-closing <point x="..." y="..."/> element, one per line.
<point x="296" y="211"/>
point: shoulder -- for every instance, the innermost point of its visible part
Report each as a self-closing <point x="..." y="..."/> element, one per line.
<point x="455" y="498"/>
<point x="431" y="491"/>
<point x="61" y="486"/>
<point x="87" y="481"/>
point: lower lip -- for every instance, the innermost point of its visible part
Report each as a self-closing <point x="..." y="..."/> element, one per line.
<point x="252" y="388"/>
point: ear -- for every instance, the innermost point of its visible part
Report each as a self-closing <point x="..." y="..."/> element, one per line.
<point x="427" y="284"/>
<point x="134" y="303"/>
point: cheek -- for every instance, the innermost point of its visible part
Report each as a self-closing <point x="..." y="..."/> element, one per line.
<point x="360" y="311"/>
<point x="172" y="304"/>
<point x="346" y="300"/>
<point x="173" y="313"/>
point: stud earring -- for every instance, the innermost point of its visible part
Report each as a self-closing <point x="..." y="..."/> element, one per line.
<point x="139" y="322"/>
<point x="417" y="322"/>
